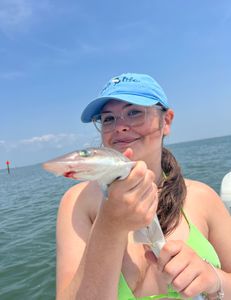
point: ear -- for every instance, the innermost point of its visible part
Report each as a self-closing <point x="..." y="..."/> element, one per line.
<point x="168" y="117"/>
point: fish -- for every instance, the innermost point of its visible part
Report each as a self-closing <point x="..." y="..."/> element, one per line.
<point x="102" y="164"/>
<point x="105" y="165"/>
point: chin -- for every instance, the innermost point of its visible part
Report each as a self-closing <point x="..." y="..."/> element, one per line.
<point x="123" y="146"/>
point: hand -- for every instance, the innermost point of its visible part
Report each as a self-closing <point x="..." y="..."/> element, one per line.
<point x="188" y="274"/>
<point x="132" y="202"/>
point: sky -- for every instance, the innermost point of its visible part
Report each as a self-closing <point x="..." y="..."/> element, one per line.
<point x="56" y="55"/>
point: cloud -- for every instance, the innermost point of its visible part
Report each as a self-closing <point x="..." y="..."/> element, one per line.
<point x="16" y="15"/>
<point x="40" y="148"/>
<point x="3" y="146"/>
<point x="58" y="141"/>
<point x="51" y="140"/>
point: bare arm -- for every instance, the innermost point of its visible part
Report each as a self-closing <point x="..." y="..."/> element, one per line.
<point x="89" y="257"/>
<point x="219" y="235"/>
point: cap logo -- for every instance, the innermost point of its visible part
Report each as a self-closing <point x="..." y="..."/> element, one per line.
<point x="117" y="80"/>
<point x="124" y="79"/>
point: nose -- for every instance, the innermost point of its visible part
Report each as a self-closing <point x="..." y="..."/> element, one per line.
<point x="121" y="125"/>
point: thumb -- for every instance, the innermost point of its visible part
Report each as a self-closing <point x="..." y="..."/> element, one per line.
<point x="128" y="153"/>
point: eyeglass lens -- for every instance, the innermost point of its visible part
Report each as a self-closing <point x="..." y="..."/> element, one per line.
<point x="131" y="115"/>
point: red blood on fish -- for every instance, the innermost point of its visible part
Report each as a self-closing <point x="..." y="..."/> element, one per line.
<point x="69" y="174"/>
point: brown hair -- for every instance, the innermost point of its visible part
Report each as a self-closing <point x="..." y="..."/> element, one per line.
<point x="172" y="193"/>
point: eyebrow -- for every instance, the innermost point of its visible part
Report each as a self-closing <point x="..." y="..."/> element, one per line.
<point x="126" y="105"/>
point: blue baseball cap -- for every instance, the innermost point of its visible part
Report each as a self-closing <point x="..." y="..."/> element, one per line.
<point x="138" y="89"/>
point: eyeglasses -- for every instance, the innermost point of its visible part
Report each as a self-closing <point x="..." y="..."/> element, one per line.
<point x="133" y="116"/>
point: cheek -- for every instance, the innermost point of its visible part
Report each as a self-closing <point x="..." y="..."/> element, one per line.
<point x="153" y="140"/>
<point x="152" y="125"/>
<point x="153" y="128"/>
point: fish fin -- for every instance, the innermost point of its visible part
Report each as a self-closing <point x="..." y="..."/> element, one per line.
<point x="151" y="235"/>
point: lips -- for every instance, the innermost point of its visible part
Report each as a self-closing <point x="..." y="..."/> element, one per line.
<point x="124" y="141"/>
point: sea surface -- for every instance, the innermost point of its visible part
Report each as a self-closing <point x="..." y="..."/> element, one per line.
<point x="29" y="199"/>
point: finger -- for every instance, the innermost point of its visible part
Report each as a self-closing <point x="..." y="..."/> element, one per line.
<point x="169" y="250"/>
<point x="136" y="175"/>
<point x="146" y="197"/>
<point x="146" y="184"/>
<point x="185" y="278"/>
<point x="134" y="178"/>
<point x="128" y="153"/>
<point x="194" y="288"/>
<point x="181" y="260"/>
<point x="174" y="268"/>
<point x="151" y="203"/>
<point x="149" y="215"/>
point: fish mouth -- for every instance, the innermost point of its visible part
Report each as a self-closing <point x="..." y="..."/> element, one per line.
<point x="70" y="174"/>
<point x="79" y="174"/>
<point x="61" y="168"/>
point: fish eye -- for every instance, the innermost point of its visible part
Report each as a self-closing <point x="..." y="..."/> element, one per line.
<point x="85" y="153"/>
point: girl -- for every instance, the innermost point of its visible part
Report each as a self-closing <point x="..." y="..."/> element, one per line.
<point x="95" y="259"/>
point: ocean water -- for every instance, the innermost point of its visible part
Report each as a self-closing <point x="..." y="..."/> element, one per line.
<point x="29" y="199"/>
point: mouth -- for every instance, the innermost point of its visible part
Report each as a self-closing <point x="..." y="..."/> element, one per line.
<point x="124" y="142"/>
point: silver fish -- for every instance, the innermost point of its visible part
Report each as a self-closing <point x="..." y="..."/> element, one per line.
<point x="102" y="164"/>
<point x="105" y="165"/>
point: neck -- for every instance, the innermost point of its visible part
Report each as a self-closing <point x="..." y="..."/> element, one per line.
<point x="155" y="166"/>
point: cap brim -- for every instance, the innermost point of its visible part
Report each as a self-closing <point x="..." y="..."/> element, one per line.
<point x="96" y="105"/>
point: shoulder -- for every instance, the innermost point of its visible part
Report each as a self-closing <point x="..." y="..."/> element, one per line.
<point x="199" y="192"/>
<point x="203" y="202"/>
<point x="84" y="196"/>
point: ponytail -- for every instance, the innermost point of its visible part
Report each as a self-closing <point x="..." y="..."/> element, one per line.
<point x="172" y="193"/>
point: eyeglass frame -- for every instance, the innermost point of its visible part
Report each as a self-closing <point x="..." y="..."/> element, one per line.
<point x="121" y="116"/>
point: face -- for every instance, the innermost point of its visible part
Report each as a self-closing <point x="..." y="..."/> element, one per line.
<point x="145" y="139"/>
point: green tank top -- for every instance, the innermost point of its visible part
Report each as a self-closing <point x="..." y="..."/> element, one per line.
<point x="198" y="243"/>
